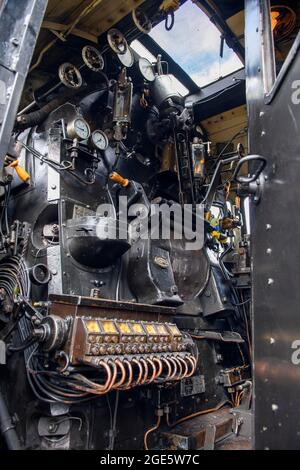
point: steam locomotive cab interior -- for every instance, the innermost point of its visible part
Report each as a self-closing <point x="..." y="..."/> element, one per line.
<point x="113" y="333"/>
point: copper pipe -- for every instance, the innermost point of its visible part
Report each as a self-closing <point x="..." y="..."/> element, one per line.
<point x="180" y="375"/>
<point x="95" y="388"/>
<point x="128" y="385"/>
<point x="146" y="370"/>
<point x="123" y="372"/>
<point x="193" y="361"/>
<point x="175" y="368"/>
<point x="160" y="367"/>
<point x="138" y="380"/>
<point x="100" y="388"/>
<point x="169" y="369"/>
<point x="153" y="376"/>
<point x="150" y="431"/>
<point x="185" y="366"/>
<point x="199" y="413"/>
<point x="114" y="375"/>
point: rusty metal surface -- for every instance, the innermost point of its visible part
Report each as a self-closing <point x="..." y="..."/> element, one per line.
<point x="191" y="434"/>
<point x="68" y="305"/>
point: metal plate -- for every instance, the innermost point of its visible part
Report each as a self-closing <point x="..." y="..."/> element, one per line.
<point x="192" y="386"/>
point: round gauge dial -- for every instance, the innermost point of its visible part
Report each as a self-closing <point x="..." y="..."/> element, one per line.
<point x="100" y="140"/>
<point x="92" y="58"/>
<point x="79" y="129"/>
<point x="146" y="69"/>
<point x="126" y="59"/>
<point x="69" y="75"/>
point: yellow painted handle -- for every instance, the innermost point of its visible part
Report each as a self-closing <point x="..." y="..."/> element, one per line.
<point x="22" y="174"/>
<point x="114" y="176"/>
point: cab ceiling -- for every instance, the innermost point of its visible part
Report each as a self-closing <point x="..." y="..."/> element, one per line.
<point x="87" y="19"/>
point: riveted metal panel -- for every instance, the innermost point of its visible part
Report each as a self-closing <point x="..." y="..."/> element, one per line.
<point x="274" y="133"/>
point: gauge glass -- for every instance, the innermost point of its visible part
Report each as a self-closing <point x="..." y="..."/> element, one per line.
<point x="100" y="140"/>
<point x="81" y="128"/>
<point x="146" y="69"/>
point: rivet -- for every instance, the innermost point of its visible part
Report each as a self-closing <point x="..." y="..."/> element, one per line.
<point x="270" y="281"/>
<point x="269" y="251"/>
<point x="268" y="226"/>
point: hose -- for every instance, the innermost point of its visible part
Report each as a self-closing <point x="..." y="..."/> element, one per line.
<point x="7" y="427"/>
<point x="24" y="121"/>
<point x="37" y="117"/>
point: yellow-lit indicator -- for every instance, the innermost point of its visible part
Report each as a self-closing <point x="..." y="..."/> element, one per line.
<point x="162" y="329"/>
<point x="109" y="327"/>
<point x="137" y="328"/>
<point x="150" y="329"/>
<point x="174" y="330"/>
<point x="92" y="326"/>
<point x="124" y="328"/>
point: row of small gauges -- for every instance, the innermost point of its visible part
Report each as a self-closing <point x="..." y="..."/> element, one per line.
<point x="79" y="129"/>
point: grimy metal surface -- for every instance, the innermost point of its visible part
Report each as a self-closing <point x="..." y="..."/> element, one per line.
<point x="20" y="23"/>
<point x="274" y="134"/>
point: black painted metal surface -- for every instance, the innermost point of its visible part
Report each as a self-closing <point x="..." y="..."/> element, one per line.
<point x="274" y="134"/>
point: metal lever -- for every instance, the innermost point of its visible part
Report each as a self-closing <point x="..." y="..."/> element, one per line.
<point x="253" y="177"/>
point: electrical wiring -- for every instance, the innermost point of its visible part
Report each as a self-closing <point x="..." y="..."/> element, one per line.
<point x="114" y="423"/>
<point x="65" y="165"/>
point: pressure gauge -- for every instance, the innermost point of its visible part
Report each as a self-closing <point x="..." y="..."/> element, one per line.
<point x="127" y="58"/>
<point x="146" y="69"/>
<point x="99" y="140"/>
<point x="79" y="129"/>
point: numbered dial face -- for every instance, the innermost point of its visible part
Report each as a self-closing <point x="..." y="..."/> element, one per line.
<point x="79" y="129"/>
<point x="126" y="59"/>
<point x="92" y="58"/>
<point x="100" y="140"/>
<point x="146" y="69"/>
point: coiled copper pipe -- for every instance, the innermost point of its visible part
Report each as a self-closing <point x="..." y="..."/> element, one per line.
<point x="128" y="385"/>
<point x="186" y="371"/>
<point x="160" y="367"/>
<point x="154" y="373"/>
<point x="175" y="367"/>
<point x="180" y="374"/>
<point x="95" y="388"/>
<point x="123" y="373"/>
<point x="169" y="370"/>
<point x="138" y="380"/>
<point x="146" y="370"/>
<point x="193" y="361"/>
